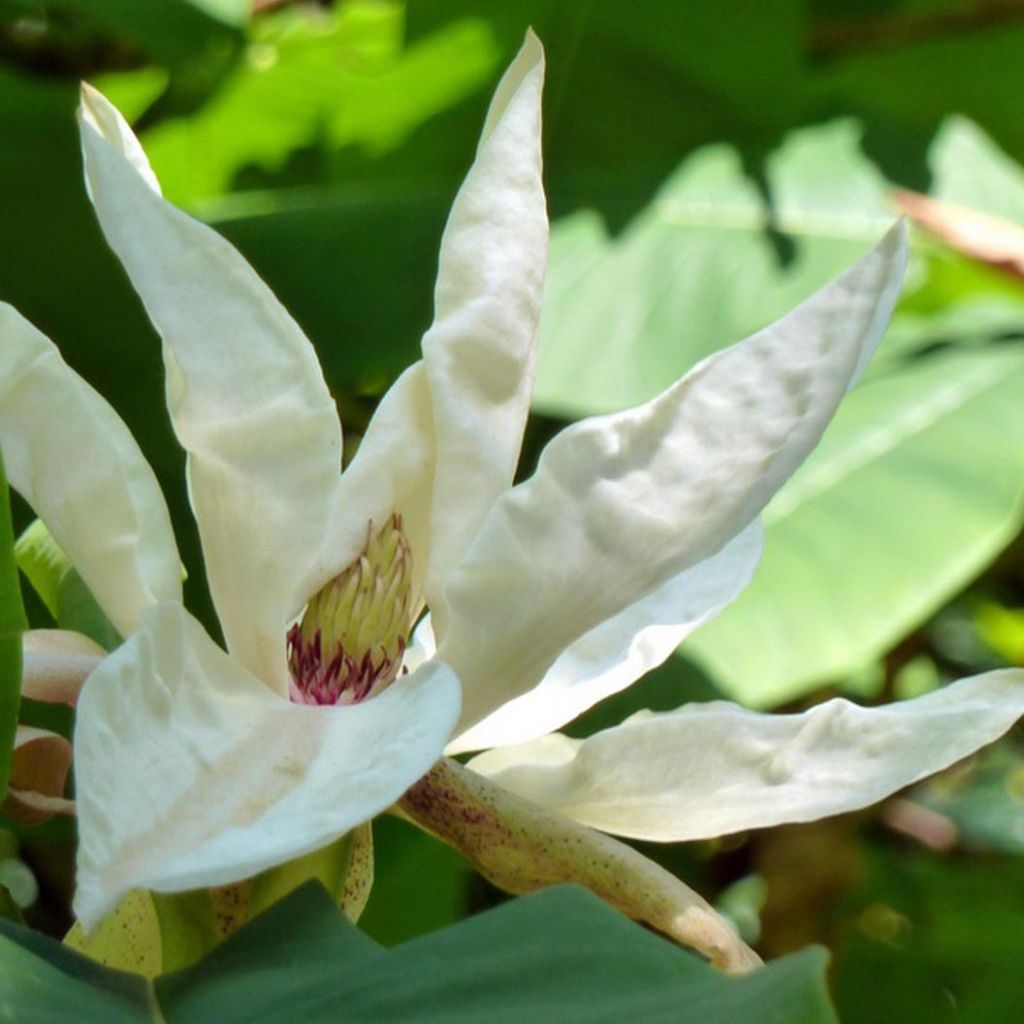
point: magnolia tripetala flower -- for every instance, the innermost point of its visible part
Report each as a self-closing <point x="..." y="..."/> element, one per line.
<point x="197" y="767"/>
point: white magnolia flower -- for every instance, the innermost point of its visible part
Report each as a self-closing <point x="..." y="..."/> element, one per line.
<point x="197" y="767"/>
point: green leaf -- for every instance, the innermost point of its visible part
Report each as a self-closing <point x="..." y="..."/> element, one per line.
<point x="195" y="41"/>
<point x="982" y="800"/>
<point x="908" y="496"/>
<point x="60" y="587"/>
<point x="41" y="980"/>
<point x="970" y="169"/>
<point x="9" y="908"/>
<point x="697" y="270"/>
<point x="12" y="624"/>
<point x="315" y="84"/>
<point x="401" y="907"/>
<point x="933" y="938"/>
<point x="559" y="955"/>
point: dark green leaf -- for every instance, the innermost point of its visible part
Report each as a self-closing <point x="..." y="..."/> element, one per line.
<point x="933" y="938"/>
<point x="9" y="908"/>
<point x="560" y="955"/>
<point x="401" y="907"/>
<point x="311" y="85"/>
<point x="12" y="624"/>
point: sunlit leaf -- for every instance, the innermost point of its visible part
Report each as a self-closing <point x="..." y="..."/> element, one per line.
<point x="697" y="269"/>
<point x="60" y="587"/>
<point x="905" y="500"/>
<point x="313" y="83"/>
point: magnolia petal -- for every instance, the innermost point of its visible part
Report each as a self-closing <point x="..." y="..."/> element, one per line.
<point x="191" y="773"/>
<point x="40" y="763"/>
<point x="55" y="664"/>
<point x="245" y="393"/>
<point x="71" y="457"/>
<point x="713" y="769"/>
<point x="620" y="650"/>
<point x="422" y="645"/>
<point x="392" y="471"/>
<point x="480" y="350"/>
<point x="620" y="504"/>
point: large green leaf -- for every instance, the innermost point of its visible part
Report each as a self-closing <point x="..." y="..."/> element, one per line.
<point x="697" y="270"/>
<point x="559" y="955"/>
<point x="916" y="487"/>
<point x="12" y="623"/>
<point x="907" y="497"/>
<point x="311" y="85"/>
<point x="968" y="168"/>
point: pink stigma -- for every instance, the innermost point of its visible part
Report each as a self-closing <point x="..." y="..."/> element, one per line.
<point x="339" y="678"/>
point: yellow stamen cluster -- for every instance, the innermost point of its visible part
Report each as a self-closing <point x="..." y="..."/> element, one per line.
<point x="353" y="635"/>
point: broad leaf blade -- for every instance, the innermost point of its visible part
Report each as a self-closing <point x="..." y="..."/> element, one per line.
<point x="41" y="981"/>
<point x="697" y="270"/>
<point x="908" y="496"/>
<point x="557" y="955"/>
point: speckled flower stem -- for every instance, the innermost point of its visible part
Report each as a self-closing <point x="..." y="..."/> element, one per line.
<point x="521" y="847"/>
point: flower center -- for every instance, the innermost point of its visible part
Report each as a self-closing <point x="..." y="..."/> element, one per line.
<point x="352" y="637"/>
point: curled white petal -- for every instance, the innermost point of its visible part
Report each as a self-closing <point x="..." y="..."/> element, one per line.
<point x="616" y="653"/>
<point x="480" y="351"/>
<point x="712" y="769"/>
<point x="393" y="471"/>
<point x="192" y="773"/>
<point x="71" y="457"/>
<point x="622" y="503"/>
<point x="245" y="392"/>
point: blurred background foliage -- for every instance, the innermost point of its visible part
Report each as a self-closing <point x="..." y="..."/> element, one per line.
<point x="708" y="164"/>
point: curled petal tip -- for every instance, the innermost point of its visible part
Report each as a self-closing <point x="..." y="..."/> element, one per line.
<point x="532" y="46"/>
<point x="98" y="115"/>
